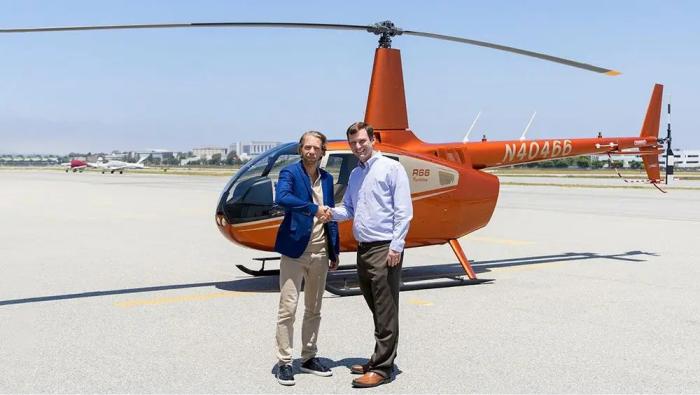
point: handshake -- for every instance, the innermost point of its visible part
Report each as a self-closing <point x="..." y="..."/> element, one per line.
<point x="324" y="214"/>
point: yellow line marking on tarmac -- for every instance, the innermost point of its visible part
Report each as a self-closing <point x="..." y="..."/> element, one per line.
<point x="180" y="298"/>
<point x="500" y="241"/>
<point x="420" y="302"/>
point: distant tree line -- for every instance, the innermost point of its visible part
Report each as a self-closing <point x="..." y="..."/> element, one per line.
<point x="168" y="159"/>
<point x="580" y="162"/>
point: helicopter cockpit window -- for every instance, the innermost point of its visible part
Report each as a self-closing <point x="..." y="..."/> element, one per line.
<point x="256" y="170"/>
<point x="279" y="163"/>
<point x="250" y="195"/>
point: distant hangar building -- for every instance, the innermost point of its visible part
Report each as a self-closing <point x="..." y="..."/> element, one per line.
<point x="251" y="149"/>
<point x="683" y="158"/>
<point x="209" y="152"/>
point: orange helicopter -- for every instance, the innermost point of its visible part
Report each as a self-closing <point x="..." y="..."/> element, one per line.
<point x="444" y="178"/>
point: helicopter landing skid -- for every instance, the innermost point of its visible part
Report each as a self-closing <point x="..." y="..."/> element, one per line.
<point x="455" y="281"/>
<point x="414" y="278"/>
<point x="419" y="280"/>
<point x="276" y="272"/>
<point x="261" y="271"/>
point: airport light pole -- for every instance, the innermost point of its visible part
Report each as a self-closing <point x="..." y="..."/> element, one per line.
<point x="669" y="152"/>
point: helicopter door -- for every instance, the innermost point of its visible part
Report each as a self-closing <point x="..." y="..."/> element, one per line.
<point x="340" y="165"/>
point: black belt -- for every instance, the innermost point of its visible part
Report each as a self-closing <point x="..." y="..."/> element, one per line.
<point x="367" y="244"/>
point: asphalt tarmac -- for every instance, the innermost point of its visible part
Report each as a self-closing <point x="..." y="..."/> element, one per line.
<point x="122" y="284"/>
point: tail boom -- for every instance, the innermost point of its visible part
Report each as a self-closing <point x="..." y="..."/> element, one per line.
<point x="647" y="145"/>
<point x="508" y="153"/>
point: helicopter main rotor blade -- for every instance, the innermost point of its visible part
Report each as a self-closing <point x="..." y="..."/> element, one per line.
<point x="188" y="25"/>
<point x="524" y="52"/>
<point x="385" y="29"/>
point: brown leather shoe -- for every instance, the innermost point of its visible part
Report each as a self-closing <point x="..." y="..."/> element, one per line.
<point x="359" y="369"/>
<point x="369" y="379"/>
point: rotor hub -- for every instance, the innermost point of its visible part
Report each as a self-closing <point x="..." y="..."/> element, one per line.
<point x="385" y="30"/>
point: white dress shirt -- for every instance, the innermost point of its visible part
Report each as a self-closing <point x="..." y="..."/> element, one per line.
<point x="378" y="197"/>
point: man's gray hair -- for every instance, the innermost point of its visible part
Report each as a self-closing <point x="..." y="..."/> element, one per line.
<point x="316" y="134"/>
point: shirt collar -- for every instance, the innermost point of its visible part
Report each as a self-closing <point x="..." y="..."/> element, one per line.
<point x="303" y="168"/>
<point x="371" y="160"/>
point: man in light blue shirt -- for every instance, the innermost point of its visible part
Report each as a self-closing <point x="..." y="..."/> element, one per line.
<point x="378" y="197"/>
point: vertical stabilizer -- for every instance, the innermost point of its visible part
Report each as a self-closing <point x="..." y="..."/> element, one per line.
<point x="143" y="158"/>
<point x="653" y="117"/>
<point x="650" y="128"/>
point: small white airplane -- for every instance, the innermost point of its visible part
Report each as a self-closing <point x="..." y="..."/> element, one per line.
<point x="119" y="166"/>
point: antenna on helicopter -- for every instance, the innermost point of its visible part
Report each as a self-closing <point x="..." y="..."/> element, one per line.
<point x="669" y="151"/>
<point x="466" y="136"/>
<point x="522" y="137"/>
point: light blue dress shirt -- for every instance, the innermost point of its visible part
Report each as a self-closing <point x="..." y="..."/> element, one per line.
<point x="378" y="197"/>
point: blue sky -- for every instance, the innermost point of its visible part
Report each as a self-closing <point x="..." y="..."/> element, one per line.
<point x="179" y="89"/>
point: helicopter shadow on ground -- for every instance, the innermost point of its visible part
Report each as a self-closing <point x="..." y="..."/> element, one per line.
<point x="349" y="277"/>
<point x="417" y="277"/>
<point x="629" y="256"/>
<point x="92" y="294"/>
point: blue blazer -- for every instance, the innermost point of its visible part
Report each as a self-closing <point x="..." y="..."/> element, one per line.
<point x="293" y="193"/>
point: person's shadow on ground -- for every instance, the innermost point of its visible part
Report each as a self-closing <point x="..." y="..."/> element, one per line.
<point x="331" y="364"/>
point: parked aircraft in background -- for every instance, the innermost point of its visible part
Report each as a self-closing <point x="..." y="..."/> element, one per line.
<point x="76" y="165"/>
<point x="119" y="166"/>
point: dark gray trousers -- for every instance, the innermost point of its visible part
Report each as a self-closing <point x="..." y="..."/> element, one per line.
<point x="380" y="285"/>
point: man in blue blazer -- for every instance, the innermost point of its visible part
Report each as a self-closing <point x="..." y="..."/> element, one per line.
<point x="309" y="246"/>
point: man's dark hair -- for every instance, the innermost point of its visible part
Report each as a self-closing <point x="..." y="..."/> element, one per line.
<point x="357" y="126"/>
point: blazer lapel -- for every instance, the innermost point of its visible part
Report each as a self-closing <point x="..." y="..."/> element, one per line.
<point x="324" y="177"/>
<point x="306" y="180"/>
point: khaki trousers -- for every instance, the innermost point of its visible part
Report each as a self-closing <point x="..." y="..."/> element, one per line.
<point x="313" y="268"/>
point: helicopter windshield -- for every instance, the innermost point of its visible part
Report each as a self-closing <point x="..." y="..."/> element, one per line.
<point x="250" y="194"/>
